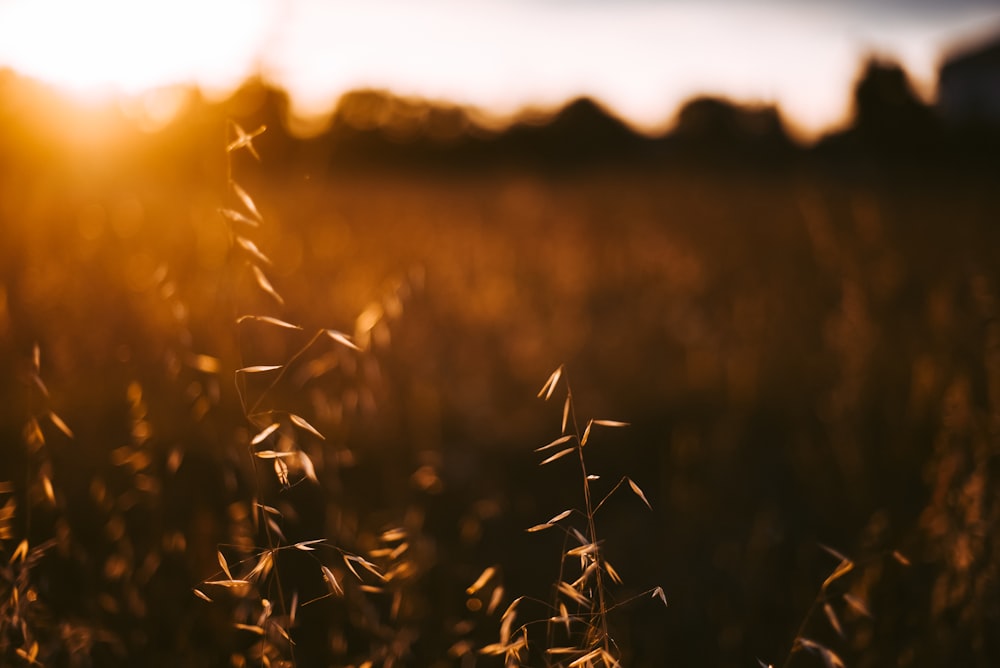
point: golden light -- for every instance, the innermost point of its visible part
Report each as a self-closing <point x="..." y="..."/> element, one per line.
<point x="97" y="49"/>
<point x="641" y="59"/>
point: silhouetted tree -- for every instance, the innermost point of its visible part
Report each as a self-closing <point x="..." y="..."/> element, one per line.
<point x="583" y="130"/>
<point x="711" y="126"/>
<point x="888" y="115"/>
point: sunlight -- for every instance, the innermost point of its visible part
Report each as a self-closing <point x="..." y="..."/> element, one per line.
<point x="642" y="60"/>
<point x="101" y="48"/>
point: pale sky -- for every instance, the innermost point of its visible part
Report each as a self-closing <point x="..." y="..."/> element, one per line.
<point x="641" y="58"/>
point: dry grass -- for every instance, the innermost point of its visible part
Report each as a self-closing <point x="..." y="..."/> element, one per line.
<point x="326" y="384"/>
<point x="576" y="621"/>
<point x="263" y="605"/>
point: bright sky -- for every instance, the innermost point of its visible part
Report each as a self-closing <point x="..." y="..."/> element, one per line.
<point x="642" y="58"/>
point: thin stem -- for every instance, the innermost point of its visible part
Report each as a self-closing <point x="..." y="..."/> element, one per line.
<point x="591" y="527"/>
<point x="281" y="374"/>
<point x="241" y="390"/>
<point x="229" y="275"/>
<point x="802" y="628"/>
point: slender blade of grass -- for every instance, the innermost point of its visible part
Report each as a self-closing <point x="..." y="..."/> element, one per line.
<point x="558" y="455"/>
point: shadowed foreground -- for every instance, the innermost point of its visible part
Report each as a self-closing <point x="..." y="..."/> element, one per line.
<point x="806" y="350"/>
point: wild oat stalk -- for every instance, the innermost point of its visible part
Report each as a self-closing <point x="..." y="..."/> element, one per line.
<point x="828" y="601"/>
<point x="581" y="606"/>
<point x="275" y="440"/>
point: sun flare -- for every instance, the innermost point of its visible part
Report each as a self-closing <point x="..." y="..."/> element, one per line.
<point x="116" y="47"/>
<point x="642" y="59"/>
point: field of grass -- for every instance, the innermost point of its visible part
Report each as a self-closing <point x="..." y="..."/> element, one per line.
<point x="807" y="356"/>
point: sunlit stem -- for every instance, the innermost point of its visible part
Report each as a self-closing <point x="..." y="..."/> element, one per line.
<point x="241" y="390"/>
<point x="591" y="528"/>
<point x="282" y="373"/>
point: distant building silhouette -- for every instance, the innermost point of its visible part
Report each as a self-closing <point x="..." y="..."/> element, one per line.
<point x="969" y="86"/>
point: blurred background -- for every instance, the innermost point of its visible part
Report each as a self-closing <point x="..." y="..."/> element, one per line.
<point x="764" y="234"/>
